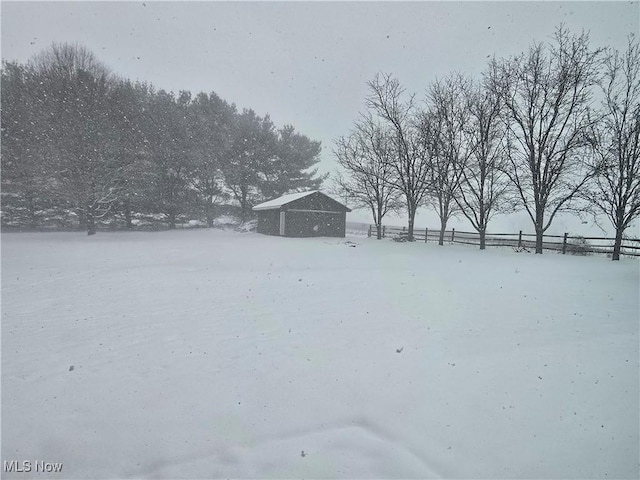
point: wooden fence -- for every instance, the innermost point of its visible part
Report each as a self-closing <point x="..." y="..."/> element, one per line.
<point x="575" y="245"/>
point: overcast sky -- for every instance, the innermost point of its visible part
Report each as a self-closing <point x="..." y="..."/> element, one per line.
<point x="304" y="63"/>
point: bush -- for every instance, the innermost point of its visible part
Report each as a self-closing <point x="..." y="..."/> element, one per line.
<point x="578" y="246"/>
<point x="401" y="237"/>
<point x="250" y="226"/>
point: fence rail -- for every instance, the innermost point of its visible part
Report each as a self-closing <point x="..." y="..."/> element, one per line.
<point x="576" y="245"/>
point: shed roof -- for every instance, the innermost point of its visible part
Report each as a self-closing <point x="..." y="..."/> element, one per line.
<point x="283" y="200"/>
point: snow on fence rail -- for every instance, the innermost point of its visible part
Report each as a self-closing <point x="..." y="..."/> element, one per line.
<point x="575" y="245"/>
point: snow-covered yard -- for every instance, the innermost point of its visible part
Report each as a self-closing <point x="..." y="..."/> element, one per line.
<point x="201" y="354"/>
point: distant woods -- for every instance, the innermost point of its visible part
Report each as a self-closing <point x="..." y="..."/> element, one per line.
<point x="553" y="129"/>
<point x="82" y="147"/>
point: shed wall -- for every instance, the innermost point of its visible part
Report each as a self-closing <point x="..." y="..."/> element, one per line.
<point x="315" y="224"/>
<point x="269" y="222"/>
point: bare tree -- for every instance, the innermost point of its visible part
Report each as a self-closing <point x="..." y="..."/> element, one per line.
<point x="367" y="157"/>
<point x="616" y="142"/>
<point x="547" y="92"/>
<point x="65" y="60"/>
<point x="484" y="187"/>
<point x="442" y="131"/>
<point x="410" y="166"/>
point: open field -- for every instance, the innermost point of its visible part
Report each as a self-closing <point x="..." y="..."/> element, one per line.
<point x="206" y="353"/>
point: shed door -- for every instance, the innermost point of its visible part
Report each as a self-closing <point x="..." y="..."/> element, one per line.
<point x="282" y="224"/>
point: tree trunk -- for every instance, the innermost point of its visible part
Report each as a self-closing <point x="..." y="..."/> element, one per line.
<point x="243" y="204"/>
<point x="82" y="219"/>
<point x="211" y="210"/>
<point x="412" y="218"/>
<point x="443" y="227"/>
<point x="539" y="234"/>
<point x="482" y="233"/>
<point x="379" y="226"/>
<point x="539" y="230"/>
<point x="31" y="209"/>
<point x="126" y="206"/>
<point x="91" y="223"/>
<point x="172" y="220"/>
<point x="617" y="246"/>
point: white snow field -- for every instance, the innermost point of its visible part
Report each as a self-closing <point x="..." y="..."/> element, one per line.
<point x="210" y="353"/>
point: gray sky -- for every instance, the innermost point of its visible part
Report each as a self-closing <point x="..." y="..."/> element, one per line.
<point x="304" y="63"/>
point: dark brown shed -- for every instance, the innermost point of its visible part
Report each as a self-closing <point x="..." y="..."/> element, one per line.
<point x="305" y="214"/>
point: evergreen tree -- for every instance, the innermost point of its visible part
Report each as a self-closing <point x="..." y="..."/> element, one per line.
<point x="292" y="167"/>
<point x="211" y="122"/>
<point x="253" y="148"/>
<point x="24" y="180"/>
<point x="126" y="108"/>
<point x="165" y="129"/>
<point x="78" y="131"/>
<point x="98" y="147"/>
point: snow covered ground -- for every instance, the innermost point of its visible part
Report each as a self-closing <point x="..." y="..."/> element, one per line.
<point x="201" y="354"/>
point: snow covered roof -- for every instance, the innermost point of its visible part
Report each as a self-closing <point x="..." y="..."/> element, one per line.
<point x="283" y="200"/>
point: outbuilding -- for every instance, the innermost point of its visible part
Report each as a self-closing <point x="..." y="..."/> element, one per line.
<point x="305" y="214"/>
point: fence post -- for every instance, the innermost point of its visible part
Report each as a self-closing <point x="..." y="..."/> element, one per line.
<point x="426" y="233"/>
<point x="520" y="239"/>
<point x="369" y="233"/>
<point x="453" y="233"/>
<point x="564" y="244"/>
<point x="384" y="231"/>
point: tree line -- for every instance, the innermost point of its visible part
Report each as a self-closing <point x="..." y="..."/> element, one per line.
<point x="553" y="129"/>
<point x="78" y="139"/>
